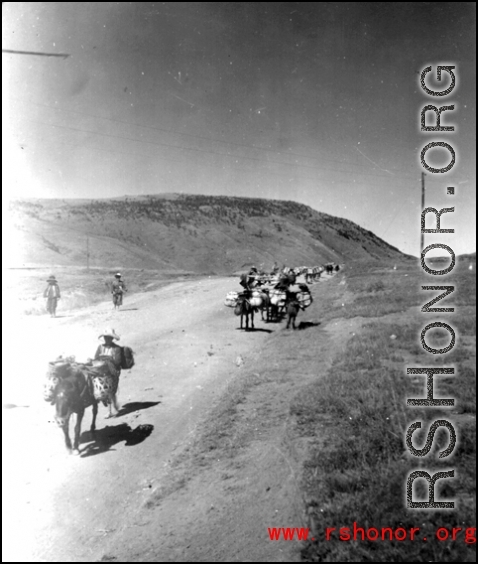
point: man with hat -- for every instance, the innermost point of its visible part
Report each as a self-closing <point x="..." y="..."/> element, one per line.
<point x="110" y="353"/>
<point x="118" y="287"/>
<point x="52" y="294"/>
<point x="109" y="350"/>
<point x="247" y="281"/>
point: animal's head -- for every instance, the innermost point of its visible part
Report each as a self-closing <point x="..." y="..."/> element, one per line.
<point x="238" y="308"/>
<point x="49" y="388"/>
<point x="64" y="402"/>
<point x="57" y="370"/>
<point x="67" y="400"/>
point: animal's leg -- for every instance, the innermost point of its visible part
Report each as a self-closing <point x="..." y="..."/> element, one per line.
<point x="252" y="319"/>
<point x="280" y="312"/>
<point x="76" y="440"/>
<point x="114" y="401"/>
<point x="66" y="431"/>
<point x="95" y="413"/>
<point x="109" y="415"/>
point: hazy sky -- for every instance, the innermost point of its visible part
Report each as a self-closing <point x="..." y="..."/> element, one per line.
<point x="314" y="102"/>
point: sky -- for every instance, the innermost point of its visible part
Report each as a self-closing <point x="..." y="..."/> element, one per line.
<point x="313" y="102"/>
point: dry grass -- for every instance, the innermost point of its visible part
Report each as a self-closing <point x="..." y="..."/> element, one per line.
<point x="358" y="470"/>
<point x="186" y="232"/>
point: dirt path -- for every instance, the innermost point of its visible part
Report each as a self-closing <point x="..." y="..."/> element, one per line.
<point x="121" y="499"/>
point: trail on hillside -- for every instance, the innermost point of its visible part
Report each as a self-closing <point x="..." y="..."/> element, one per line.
<point x="122" y="499"/>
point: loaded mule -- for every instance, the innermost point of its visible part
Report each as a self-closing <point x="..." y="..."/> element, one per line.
<point x="73" y="394"/>
<point x="245" y="308"/>
<point x="298" y="298"/>
<point x="72" y="387"/>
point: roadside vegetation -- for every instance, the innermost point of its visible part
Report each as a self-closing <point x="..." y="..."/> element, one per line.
<point x="357" y="467"/>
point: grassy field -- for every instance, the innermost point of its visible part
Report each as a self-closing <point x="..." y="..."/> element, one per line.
<point x="357" y="470"/>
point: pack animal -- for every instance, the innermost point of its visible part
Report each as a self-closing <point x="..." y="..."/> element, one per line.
<point x="277" y="302"/>
<point x="74" y="394"/>
<point x="265" y="305"/>
<point x="72" y="387"/>
<point x="245" y="309"/>
<point x="292" y="310"/>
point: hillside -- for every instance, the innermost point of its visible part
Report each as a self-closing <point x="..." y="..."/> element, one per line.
<point x="184" y="233"/>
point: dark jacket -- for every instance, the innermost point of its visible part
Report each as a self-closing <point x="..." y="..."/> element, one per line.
<point x="113" y="351"/>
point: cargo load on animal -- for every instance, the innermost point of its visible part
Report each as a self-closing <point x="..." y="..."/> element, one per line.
<point x="231" y="299"/>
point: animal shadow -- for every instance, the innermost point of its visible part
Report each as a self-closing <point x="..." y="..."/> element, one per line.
<point x="104" y="439"/>
<point x="135" y="406"/>
<point x="307" y="324"/>
<point x="255" y="330"/>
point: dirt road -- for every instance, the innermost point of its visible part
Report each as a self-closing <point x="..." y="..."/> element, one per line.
<point x="116" y="501"/>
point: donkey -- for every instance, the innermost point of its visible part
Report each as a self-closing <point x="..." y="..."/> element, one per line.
<point x="245" y="309"/>
<point x="295" y="301"/>
<point x="265" y="305"/>
<point x="74" y="393"/>
<point x="77" y="387"/>
<point x="293" y="308"/>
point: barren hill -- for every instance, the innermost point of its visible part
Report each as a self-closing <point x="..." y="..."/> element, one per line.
<point x="185" y="233"/>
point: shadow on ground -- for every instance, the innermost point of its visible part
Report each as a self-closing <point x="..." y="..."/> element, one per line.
<point x="104" y="439"/>
<point x="308" y="324"/>
<point x="255" y="330"/>
<point x="135" y="406"/>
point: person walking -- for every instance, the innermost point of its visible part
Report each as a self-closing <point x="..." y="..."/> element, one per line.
<point x="118" y="288"/>
<point x="111" y="353"/>
<point x="52" y="295"/>
<point x="109" y="350"/>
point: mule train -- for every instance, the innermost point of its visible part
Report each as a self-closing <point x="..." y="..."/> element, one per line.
<point x="274" y="299"/>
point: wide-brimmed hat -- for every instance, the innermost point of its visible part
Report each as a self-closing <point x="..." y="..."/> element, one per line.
<point x="118" y="275"/>
<point x="110" y="332"/>
<point x="51" y="278"/>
